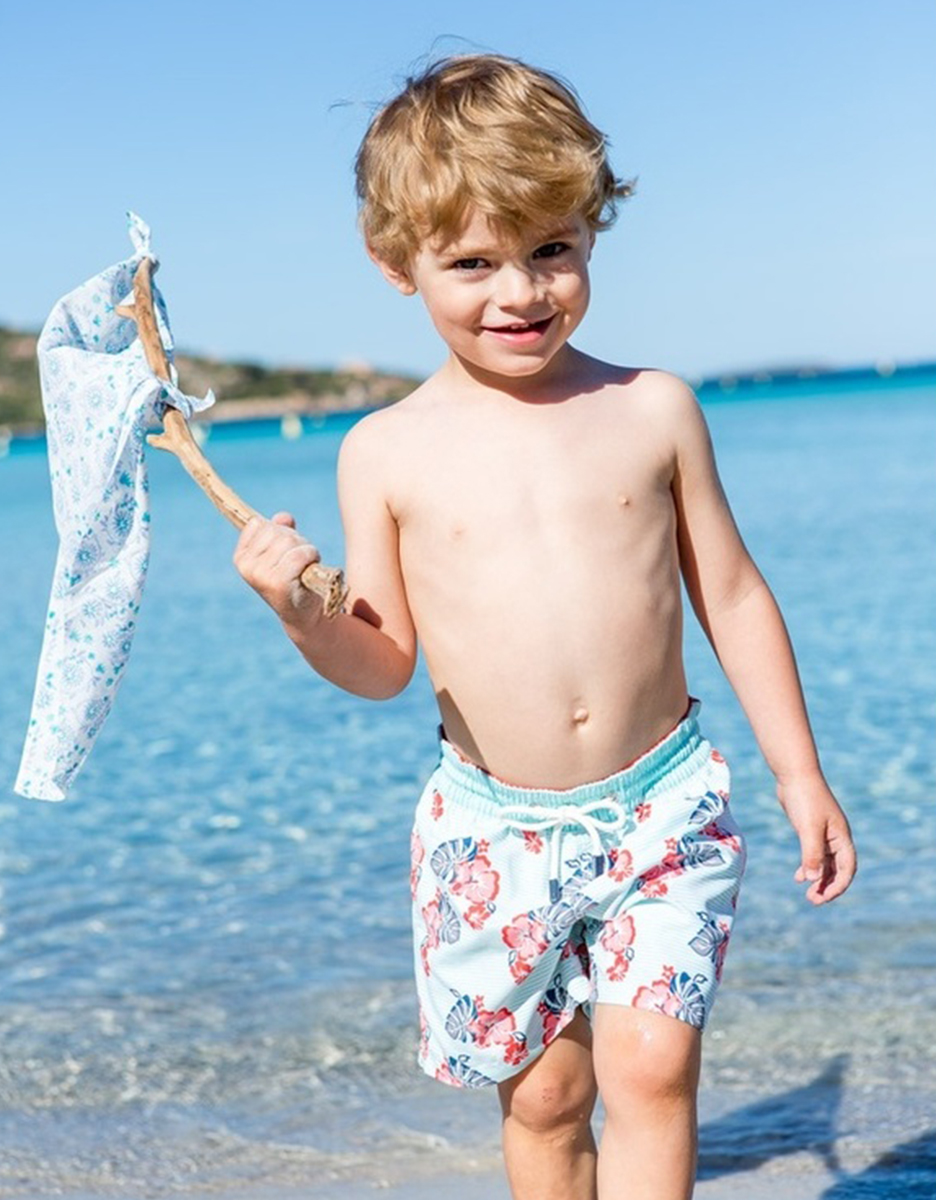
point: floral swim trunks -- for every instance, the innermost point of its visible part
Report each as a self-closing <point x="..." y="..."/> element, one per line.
<point x="528" y="902"/>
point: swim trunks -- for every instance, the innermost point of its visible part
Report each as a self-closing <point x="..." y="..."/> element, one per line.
<point x="529" y="902"/>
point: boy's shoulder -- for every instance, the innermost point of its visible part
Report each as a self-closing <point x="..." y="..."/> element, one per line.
<point x="394" y="427"/>
<point x="380" y="439"/>
<point x="382" y="426"/>
<point x="656" y="399"/>
<point x="665" y="392"/>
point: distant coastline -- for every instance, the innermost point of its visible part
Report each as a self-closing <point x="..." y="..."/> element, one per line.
<point x="249" y="392"/>
<point x="245" y="391"/>
<point x="786" y="380"/>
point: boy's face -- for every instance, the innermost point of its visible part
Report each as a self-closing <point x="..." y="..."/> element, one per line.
<point x="504" y="308"/>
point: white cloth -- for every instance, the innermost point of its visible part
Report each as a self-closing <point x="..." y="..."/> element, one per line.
<point x="99" y="396"/>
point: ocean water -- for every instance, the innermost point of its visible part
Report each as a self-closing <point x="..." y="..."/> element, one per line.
<point x="204" y="953"/>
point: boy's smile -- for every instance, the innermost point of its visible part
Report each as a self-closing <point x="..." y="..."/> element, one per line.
<point x="521" y="333"/>
<point x="505" y="308"/>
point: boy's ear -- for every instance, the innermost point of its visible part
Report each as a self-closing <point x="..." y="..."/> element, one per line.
<point x="399" y="277"/>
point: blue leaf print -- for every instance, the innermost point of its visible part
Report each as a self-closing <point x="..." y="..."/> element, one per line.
<point x="556" y="997"/>
<point x="465" y="1075"/>
<point x="449" y="855"/>
<point x="449" y="927"/>
<point x="695" y="854"/>
<point x="710" y="806"/>
<point x="685" y="988"/>
<point x="460" y="1016"/>
<point x="710" y="938"/>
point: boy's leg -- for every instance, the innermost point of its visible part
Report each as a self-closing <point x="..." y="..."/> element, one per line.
<point x="647" y="1068"/>
<point x="549" y="1149"/>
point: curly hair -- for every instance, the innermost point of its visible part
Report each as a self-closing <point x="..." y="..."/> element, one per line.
<point x="481" y="132"/>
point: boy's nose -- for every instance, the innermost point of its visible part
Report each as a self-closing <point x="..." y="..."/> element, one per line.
<point x="516" y="287"/>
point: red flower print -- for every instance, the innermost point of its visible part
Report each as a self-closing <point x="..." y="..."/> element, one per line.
<point x="476" y="881"/>
<point x="658" y="998"/>
<point x="491" y="1028"/>
<point x="437" y="805"/>
<point x="532" y="841"/>
<point x="417" y="854"/>
<point x="516" y="1052"/>
<point x="519" y="967"/>
<point x="617" y="938"/>
<point x="526" y="937"/>
<point x="653" y="882"/>
<point x="718" y="834"/>
<point x="444" y="1075"/>
<point x="622" y="865"/>
<point x="553" y="1022"/>
<point x="642" y="811"/>
<point x="498" y="1029"/>
<point x="476" y="914"/>
<point x="716" y="757"/>
<point x="526" y="934"/>
<point x="432" y="917"/>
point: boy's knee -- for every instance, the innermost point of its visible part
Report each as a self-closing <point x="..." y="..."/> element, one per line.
<point x="652" y="1058"/>
<point x="550" y="1099"/>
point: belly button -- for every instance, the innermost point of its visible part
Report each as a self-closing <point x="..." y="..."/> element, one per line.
<point x="580" y="716"/>
<point x="623" y="501"/>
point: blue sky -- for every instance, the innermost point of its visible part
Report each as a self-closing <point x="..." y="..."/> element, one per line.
<point x="784" y="152"/>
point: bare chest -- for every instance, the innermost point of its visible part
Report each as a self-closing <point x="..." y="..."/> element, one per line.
<point x="535" y="490"/>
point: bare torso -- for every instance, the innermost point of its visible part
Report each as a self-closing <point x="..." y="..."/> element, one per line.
<point x="538" y="548"/>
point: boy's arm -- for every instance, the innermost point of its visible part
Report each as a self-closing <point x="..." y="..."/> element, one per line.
<point x="742" y="621"/>
<point x="370" y="649"/>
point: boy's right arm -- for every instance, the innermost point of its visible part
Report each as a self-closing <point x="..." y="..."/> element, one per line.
<point x="370" y="648"/>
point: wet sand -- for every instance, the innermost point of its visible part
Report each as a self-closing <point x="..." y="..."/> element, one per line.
<point x="763" y="1184"/>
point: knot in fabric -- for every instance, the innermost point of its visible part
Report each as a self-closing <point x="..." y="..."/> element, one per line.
<point x="540" y="818"/>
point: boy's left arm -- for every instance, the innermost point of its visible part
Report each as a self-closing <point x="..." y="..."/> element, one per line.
<point x="742" y="621"/>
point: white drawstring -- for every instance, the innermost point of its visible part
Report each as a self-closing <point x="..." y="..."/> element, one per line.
<point x="538" y="818"/>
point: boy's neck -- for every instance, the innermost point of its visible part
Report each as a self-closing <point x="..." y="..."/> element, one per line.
<point x="567" y="374"/>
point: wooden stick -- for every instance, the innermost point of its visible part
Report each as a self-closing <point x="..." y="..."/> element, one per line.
<point x="176" y="437"/>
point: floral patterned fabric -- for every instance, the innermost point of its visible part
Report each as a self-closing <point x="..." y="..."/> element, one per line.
<point x="504" y="957"/>
<point x="99" y="397"/>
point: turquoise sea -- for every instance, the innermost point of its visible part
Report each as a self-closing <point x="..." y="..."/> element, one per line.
<point x="204" y="953"/>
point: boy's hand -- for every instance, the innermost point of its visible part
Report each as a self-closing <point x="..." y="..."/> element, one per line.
<point x="828" y="861"/>
<point x="271" y="556"/>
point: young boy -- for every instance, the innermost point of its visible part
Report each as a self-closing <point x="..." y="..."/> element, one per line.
<point x="527" y="514"/>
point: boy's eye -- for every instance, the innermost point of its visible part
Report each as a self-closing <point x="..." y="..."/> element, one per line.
<point x="469" y="264"/>
<point x="550" y="250"/>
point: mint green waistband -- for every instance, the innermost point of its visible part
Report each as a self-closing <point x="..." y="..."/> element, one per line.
<point x="670" y="762"/>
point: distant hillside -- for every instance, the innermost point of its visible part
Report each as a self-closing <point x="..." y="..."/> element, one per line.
<point x="246" y="391"/>
<point x="243" y="389"/>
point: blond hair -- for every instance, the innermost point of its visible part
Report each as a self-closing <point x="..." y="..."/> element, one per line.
<point x="484" y="132"/>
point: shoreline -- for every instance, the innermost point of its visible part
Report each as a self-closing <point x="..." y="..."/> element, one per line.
<point x="824" y="1141"/>
<point x="223" y="414"/>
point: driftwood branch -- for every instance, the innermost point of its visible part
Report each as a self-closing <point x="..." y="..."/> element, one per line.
<point x="176" y="437"/>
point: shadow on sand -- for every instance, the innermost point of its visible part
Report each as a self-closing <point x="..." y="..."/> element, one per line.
<point x="806" y="1119"/>
<point x="907" y="1172"/>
